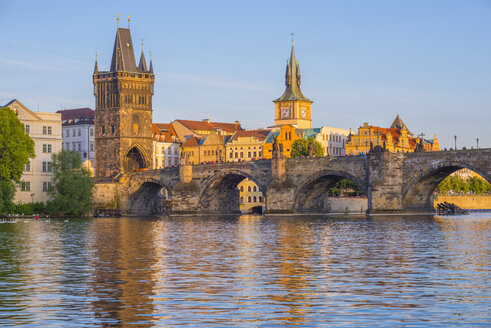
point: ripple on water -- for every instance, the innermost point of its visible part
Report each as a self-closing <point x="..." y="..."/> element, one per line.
<point x="248" y="271"/>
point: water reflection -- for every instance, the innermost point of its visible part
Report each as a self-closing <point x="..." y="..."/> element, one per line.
<point x="247" y="271"/>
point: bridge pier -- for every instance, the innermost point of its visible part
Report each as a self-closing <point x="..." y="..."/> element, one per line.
<point x="280" y="193"/>
<point x="385" y="180"/>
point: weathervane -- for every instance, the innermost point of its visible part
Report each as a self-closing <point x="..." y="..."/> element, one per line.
<point x="117" y="19"/>
<point x="292" y="37"/>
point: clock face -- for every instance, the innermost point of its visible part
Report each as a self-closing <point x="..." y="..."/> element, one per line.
<point x="304" y="113"/>
<point x="286" y="112"/>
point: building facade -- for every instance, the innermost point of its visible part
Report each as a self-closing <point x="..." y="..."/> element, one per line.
<point x="123" y="115"/>
<point x="397" y="138"/>
<point x="293" y="108"/>
<point x="246" y="145"/>
<point x="45" y="130"/>
<point x="165" y="147"/>
<point x="78" y="133"/>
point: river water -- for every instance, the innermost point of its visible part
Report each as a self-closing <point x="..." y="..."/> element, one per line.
<point x="249" y="271"/>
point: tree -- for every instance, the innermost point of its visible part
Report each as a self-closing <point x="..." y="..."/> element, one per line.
<point x="72" y="184"/>
<point x="300" y="148"/>
<point x="16" y="148"/>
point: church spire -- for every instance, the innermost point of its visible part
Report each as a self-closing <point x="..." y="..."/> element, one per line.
<point x="292" y="80"/>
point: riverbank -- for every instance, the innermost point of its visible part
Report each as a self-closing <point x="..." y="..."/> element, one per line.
<point x="477" y="202"/>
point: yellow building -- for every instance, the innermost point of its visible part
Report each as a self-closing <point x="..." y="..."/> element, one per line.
<point x="397" y="138"/>
<point x="250" y="196"/>
<point x="203" y="150"/>
<point x="285" y="135"/>
<point x="185" y="129"/>
<point x="293" y="108"/>
<point x="246" y="145"/>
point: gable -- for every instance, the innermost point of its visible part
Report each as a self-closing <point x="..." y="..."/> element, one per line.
<point x="23" y="113"/>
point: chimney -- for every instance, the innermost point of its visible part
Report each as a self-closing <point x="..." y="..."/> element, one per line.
<point x="207" y="120"/>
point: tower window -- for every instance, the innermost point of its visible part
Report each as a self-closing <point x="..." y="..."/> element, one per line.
<point x="103" y="129"/>
<point x="112" y="129"/>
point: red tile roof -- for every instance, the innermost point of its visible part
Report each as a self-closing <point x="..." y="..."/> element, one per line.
<point x="208" y="126"/>
<point x="259" y="134"/>
<point x="192" y="142"/>
<point x="77" y="114"/>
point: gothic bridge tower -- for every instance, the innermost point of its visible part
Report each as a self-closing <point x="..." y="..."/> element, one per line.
<point x="293" y="107"/>
<point x="123" y="115"/>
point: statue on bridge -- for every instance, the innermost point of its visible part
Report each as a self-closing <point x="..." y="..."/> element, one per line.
<point x="183" y="158"/>
<point x="311" y="149"/>
<point x="277" y="149"/>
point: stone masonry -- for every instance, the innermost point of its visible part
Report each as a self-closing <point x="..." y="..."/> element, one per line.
<point x="392" y="182"/>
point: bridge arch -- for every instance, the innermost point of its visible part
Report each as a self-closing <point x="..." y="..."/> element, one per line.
<point x="310" y="196"/>
<point x="221" y="195"/>
<point x="135" y="159"/>
<point x="418" y="195"/>
<point x="147" y="197"/>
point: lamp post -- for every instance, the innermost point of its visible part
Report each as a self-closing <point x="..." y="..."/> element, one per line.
<point x="477" y="141"/>
<point x="455" y="139"/>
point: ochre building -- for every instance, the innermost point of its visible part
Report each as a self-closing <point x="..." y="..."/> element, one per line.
<point x="397" y="138"/>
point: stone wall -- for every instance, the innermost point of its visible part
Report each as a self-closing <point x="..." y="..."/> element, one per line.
<point x="347" y="204"/>
<point x="466" y="202"/>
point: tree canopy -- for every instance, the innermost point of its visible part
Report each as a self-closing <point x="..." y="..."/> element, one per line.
<point x="16" y="148"/>
<point x="457" y="184"/>
<point x="300" y="148"/>
<point x="72" y="184"/>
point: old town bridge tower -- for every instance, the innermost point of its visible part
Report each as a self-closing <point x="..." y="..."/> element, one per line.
<point x="123" y="116"/>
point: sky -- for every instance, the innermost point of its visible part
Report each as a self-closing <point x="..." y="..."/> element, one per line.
<point x="361" y="61"/>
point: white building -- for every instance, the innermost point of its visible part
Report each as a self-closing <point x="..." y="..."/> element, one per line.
<point x="78" y="133"/>
<point x="45" y="131"/>
<point x="165" y="146"/>
<point x="333" y="140"/>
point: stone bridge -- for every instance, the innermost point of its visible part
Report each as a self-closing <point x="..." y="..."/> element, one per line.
<point x="393" y="182"/>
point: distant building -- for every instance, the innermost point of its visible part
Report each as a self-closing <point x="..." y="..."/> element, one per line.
<point x="45" y="130"/>
<point x="78" y="133"/>
<point x="293" y="108"/>
<point x="332" y="140"/>
<point x="245" y="145"/>
<point x="165" y="146"/>
<point x="397" y="138"/>
<point x="185" y="129"/>
<point x="250" y="196"/>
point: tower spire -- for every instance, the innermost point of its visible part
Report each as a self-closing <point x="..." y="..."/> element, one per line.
<point x="151" y="65"/>
<point x="142" y="66"/>
<point x="96" y="70"/>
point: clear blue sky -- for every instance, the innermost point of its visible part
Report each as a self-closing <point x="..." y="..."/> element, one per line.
<point x="361" y="61"/>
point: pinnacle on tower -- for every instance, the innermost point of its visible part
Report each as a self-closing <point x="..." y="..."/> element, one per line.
<point x="292" y="80"/>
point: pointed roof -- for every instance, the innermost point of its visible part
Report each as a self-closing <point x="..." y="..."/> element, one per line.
<point x="96" y="69"/>
<point x="398" y="124"/>
<point x="292" y="81"/>
<point x="151" y="66"/>
<point x="123" y="56"/>
<point x="142" y="66"/>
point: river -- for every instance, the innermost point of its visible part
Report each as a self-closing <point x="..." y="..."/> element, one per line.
<point x="249" y="271"/>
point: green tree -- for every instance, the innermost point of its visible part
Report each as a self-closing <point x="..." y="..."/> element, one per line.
<point x="300" y="148"/>
<point x="16" y="148"/>
<point x="72" y="184"/>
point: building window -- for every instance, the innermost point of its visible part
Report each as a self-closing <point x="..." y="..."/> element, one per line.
<point x="249" y="154"/>
<point x="254" y="199"/>
<point x="249" y="189"/>
<point x="25" y="186"/>
<point x="67" y="133"/>
<point x="46" y="148"/>
<point x="46" y="185"/>
<point x="73" y="133"/>
<point x="27" y="167"/>
<point x="260" y="199"/>
<point x="46" y="166"/>
<point x="103" y="129"/>
<point x="74" y="145"/>
<point x="254" y="188"/>
<point x="91" y="132"/>
<point x="79" y="132"/>
<point x="67" y="146"/>
<point x="45" y="130"/>
<point x="242" y="199"/>
<point x="50" y="131"/>
<point x="112" y="129"/>
<point x="241" y="188"/>
<point x="249" y="199"/>
<point x="27" y="128"/>
<point x="91" y="146"/>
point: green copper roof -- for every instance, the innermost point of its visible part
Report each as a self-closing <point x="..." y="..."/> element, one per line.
<point x="292" y="81"/>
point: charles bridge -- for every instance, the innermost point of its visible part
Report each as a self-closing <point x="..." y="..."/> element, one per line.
<point x="392" y="182"/>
